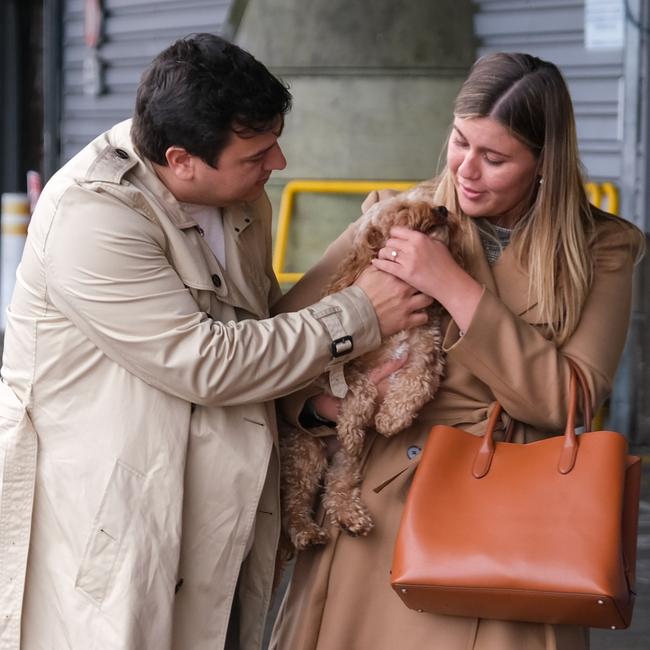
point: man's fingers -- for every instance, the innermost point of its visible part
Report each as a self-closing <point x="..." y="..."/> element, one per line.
<point x="421" y="301"/>
<point x="417" y="318"/>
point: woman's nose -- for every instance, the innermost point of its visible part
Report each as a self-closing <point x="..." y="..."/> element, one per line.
<point x="469" y="167"/>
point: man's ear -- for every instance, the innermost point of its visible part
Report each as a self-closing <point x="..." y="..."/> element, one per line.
<point x="180" y="163"/>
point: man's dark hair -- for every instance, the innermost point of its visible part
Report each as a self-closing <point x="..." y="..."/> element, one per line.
<point x="197" y="92"/>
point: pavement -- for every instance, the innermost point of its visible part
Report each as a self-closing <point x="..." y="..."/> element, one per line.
<point x="637" y="636"/>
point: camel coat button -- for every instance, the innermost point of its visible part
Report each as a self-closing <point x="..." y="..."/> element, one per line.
<point x="216" y="280"/>
<point x="412" y="452"/>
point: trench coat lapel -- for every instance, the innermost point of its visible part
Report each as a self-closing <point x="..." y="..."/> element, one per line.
<point x="245" y="288"/>
<point x="240" y="283"/>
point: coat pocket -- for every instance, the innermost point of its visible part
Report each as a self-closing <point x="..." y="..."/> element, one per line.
<point x="121" y="499"/>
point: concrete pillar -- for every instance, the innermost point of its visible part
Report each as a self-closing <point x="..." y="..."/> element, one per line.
<point x="373" y="83"/>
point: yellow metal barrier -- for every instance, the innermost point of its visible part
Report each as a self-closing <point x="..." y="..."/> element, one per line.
<point x="595" y="192"/>
<point x="607" y="190"/>
<point x="321" y="187"/>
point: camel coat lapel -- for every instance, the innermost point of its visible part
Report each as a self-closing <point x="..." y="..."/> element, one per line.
<point x="506" y="280"/>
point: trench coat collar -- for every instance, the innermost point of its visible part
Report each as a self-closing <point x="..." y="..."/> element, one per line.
<point x="506" y="279"/>
<point x="235" y="287"/>
<point x="121" y="156"/>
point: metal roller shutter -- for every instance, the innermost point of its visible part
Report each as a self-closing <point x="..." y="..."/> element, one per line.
<point x="134" y="31"/>
<point x="554" y="30"/>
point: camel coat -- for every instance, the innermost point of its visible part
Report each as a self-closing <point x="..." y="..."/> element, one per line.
<point x="340" y="596"/>
<point x="138" y="443"/>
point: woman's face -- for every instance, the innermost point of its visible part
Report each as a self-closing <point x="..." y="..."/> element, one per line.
<point x="493" y="171"/>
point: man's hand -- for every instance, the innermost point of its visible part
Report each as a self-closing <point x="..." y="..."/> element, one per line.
<point x="398" y="305"/>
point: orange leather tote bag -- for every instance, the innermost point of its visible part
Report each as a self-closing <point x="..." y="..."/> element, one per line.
<point x="543" y="532"/>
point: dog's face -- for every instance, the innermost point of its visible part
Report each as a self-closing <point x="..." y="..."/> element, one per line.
<point x="375" y="227"/>
<point x="416" y="215"/>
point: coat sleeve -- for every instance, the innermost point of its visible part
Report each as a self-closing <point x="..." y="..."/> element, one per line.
<point x="306" y="291"/>
<point x="107" y="272"/>
<point x="528" y="373"/>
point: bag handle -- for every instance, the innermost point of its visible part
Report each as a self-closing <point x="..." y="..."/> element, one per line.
<point x="567" y="460"/>
<point x="586" y="395"/>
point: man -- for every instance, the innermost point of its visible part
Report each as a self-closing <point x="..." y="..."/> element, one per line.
<point x="139" y="506"/>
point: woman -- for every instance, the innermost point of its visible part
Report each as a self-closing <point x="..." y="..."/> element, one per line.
<point x="547" y="278"/>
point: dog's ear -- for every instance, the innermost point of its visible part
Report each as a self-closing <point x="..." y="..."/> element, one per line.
<point x="417" y="215"/>
<point x="375" y="238"/>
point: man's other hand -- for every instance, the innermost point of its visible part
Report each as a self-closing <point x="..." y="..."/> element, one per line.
<point x="398" y="305"/>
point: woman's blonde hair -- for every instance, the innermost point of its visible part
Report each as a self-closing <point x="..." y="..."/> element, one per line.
<point x="553" y="238"/>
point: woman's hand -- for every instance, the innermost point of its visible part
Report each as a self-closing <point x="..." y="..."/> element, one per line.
<point x="428" y="266"/>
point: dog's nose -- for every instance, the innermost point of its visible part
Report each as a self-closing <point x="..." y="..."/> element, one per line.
<point x="442" y="212"/>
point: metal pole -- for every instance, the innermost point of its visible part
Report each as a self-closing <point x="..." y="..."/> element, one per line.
<point x="52" y="85"/>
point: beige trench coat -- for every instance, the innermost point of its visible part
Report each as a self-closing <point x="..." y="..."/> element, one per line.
<point x="340" y="596"/>
<point x="137" y="431"/>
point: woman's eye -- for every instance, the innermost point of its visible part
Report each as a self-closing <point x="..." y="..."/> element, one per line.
<point x="460" y="143"/>
<point x="493" y="161"/>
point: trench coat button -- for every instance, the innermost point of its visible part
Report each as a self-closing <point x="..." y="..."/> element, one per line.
<point x="178" y="586"/>
<point x="120" y="153"/>
<point x="413" y="451"/>
<point x="200" y="231"/>
<point x="216" y="280"/>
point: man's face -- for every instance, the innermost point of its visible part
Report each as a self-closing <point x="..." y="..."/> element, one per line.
<point x="242" y="170"/>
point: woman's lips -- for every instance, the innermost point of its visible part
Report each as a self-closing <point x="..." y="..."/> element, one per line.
<point x="470" y="193"/>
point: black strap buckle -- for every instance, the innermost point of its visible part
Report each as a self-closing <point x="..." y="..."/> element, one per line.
<point x="342" y="346"/>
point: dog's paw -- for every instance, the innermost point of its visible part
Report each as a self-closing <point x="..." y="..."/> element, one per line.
<point x="313" y="535"/>
<point x="388" y="424"/>
<point x="355" y="520"/>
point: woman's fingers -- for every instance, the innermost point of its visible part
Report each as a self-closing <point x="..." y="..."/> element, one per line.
<point x="402" y="232"/>
<point x="388" y="267"/>
<point x="389" y="253"/>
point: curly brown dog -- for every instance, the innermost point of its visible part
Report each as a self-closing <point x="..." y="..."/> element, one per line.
<point x="304" y="460"/>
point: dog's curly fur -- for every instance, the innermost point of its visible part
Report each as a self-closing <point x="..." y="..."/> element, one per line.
<point x="304" y="461"/>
